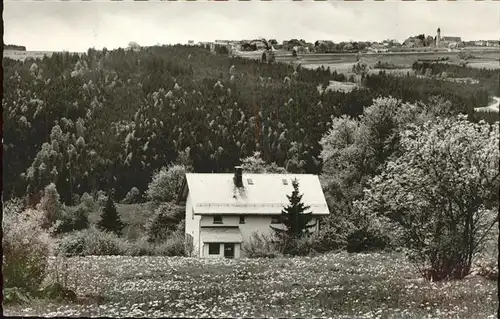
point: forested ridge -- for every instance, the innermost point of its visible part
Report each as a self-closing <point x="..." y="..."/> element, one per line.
<point x="108" y="119"/>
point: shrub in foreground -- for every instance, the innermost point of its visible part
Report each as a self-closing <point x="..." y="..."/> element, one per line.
<point x="259" y="246"/>
<point x="302" y="246"/>
<point x="140" y="247"/>
<point x="26" y="247"/>
<point x="73" y="218"/>
<point x="174" y="245"/>
<point x="102" y="243"/>
<point x="91" y="241"/>
<point x="328" y="239"/>
<point x="164" y="222"/>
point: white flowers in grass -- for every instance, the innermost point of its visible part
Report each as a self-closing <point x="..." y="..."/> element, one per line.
<point x="174" y="287"/>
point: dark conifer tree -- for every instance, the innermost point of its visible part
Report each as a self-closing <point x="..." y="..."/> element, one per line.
<point x="110" y="220"/>
<point x="295" y="220"/>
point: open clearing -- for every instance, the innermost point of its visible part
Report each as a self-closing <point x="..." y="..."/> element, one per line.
<point x="343" y="63"/>
<point x="23" y="55"/>
<point x="493" y="107"/>
<point x="334" y="285"/>
<point x="485" y="64"/>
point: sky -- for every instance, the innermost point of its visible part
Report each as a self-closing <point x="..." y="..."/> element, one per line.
<point x="77" y="26"/>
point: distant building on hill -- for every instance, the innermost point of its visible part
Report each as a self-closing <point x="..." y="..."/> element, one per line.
<point x="207" y="45"/>
<point x="447" y="41"/>
<point x="377" y="48"/>
<point x="493" y="43"/>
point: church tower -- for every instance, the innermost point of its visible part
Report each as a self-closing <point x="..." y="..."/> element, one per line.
<point x="438" y="37"/>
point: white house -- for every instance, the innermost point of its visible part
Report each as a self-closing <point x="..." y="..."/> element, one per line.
<point x="376" y="48"/>
<point x="223" y="209"/>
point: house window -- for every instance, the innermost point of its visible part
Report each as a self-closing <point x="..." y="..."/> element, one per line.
<point x="275" y="220"/>
<point x="285" y="182"/>
<point x="250" y="181"/>
<point x="214" y="249"/>
<point x="217" y="219"/>
<point x="242" y="219"/>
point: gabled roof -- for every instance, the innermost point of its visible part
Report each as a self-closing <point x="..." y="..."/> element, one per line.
<point x="260" y="194"/>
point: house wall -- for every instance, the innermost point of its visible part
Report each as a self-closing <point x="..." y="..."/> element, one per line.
<point x="252" y="224"/>
<point x="237" y="251"/>
<point x="193" y="226"/>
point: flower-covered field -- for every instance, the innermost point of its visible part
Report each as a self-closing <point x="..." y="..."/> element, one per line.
<point x="336" y="285"/>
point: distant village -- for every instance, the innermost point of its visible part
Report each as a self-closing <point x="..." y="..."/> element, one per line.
<point x="417" y="43"/>
<point x="421" y="42"/>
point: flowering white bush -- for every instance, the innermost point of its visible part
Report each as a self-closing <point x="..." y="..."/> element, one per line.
<point x="26" y="248"/>
<point x="255" y="164"/>
<point x="166" y="183"/>
<point x="443" y="191"/>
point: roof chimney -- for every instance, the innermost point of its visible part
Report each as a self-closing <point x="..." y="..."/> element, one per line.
<point x="238" y="176"/>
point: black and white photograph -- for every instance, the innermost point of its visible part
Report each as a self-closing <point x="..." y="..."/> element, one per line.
<point x="251" y="159"/>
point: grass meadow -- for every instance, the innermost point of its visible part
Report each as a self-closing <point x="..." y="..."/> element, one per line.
<point x="341" y="285"/>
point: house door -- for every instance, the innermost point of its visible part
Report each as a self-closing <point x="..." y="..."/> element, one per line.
<point x="229" y="250"/>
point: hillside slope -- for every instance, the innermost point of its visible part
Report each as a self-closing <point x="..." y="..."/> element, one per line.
<point x="109" y="119"/>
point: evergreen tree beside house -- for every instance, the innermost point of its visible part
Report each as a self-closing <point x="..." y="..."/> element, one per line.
<point x="296" y="221"/>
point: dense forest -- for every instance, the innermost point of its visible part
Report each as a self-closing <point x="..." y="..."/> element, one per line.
<point x="109" y="119"/>
<point x="489" y="79"/>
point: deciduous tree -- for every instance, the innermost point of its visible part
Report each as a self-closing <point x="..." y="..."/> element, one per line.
<point x="50" y="205"/>
<point x="443" y="191"/>
<point x="255" y="164"/>
<point x="166" y="183"/>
